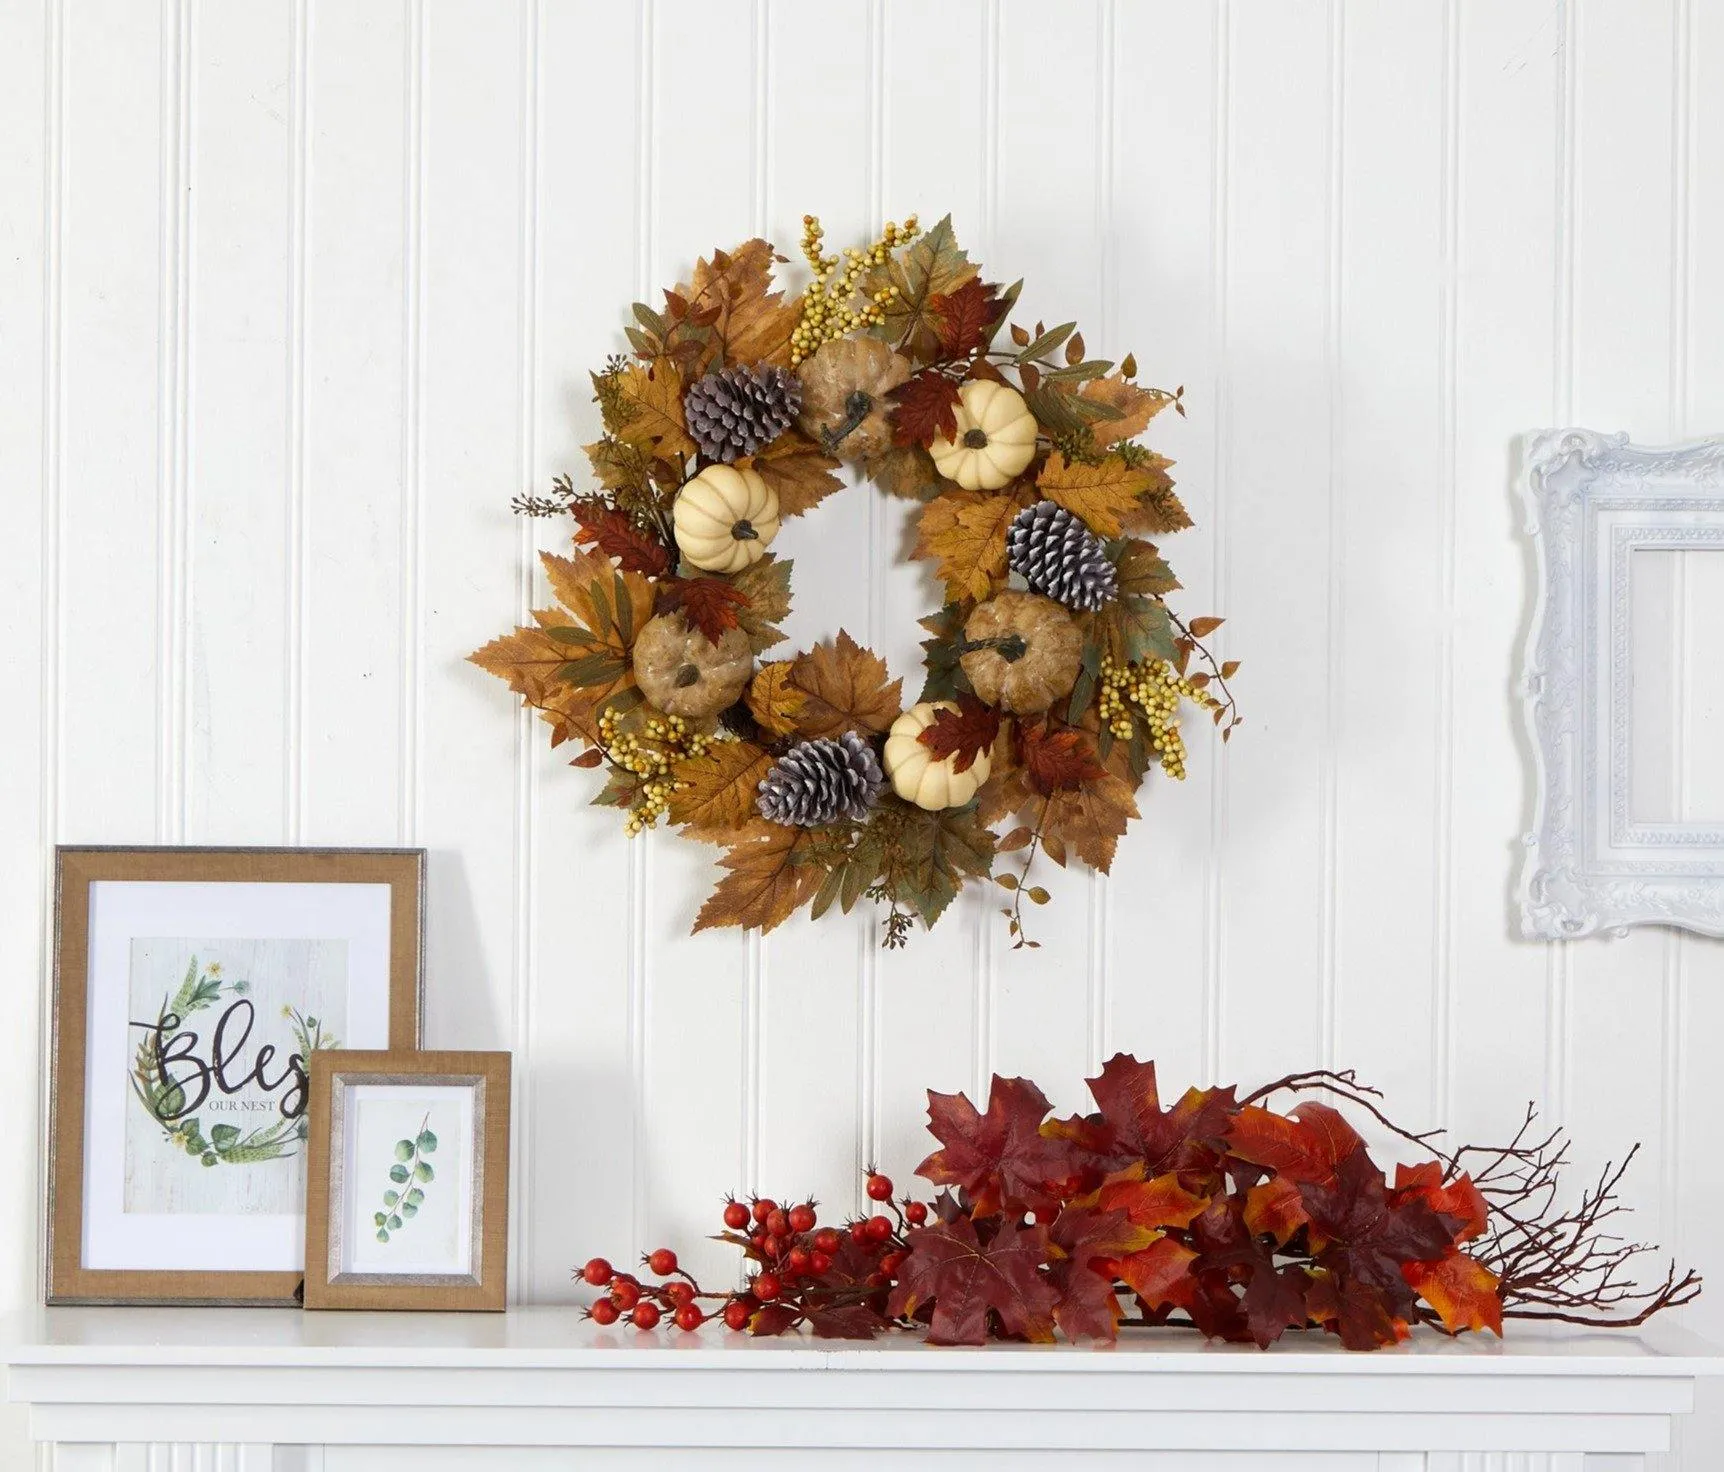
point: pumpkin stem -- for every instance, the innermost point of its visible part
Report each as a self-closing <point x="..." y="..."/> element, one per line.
<point x="686" y="676"/>
<point x="976" y="439"/>
<point x="743" y="531"/>
<point x="1010" y="647"/>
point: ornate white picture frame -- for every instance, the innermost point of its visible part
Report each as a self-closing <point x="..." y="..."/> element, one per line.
<point x="1591" y="865"/>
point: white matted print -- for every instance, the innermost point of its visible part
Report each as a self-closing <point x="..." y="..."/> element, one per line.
<point x="408" y="1189"/>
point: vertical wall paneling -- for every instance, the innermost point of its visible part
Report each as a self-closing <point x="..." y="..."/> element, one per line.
<point x="294" y="296"/>
<point x="1279" y="222"/>
<point x="812" y="1019"/>
<point x="353" y="175"/>
<point x="576" y="1070"/>
<point x="925" y="1017"/>
<point x="1047" y="212"/>
<point x="469" y="464"/>
<point x="241" y="136"/>
<point x="1623" y="347"/>
<point x="704" y="184"/>
<point x="1162" y="280"/>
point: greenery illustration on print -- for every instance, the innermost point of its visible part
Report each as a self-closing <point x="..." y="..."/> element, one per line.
<point x="410" y="1174"/>
<point x="173" y="1097"/>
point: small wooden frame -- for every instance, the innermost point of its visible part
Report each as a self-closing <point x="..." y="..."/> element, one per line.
<point x="154" y="1127"/>
<point x="409" y="1155"/>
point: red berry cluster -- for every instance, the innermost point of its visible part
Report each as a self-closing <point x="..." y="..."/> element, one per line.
<point x="835" y="1279"/>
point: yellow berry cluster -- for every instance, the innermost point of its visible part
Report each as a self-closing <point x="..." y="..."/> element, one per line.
<point x="829" y="308"/>
<point x="1155" y="689"/>
<point x="650" y="754"/>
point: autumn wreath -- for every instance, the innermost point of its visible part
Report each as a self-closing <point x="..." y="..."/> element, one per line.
<point x="1056" y="671"/>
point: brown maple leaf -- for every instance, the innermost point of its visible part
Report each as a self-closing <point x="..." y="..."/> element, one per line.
<point x="846" y="689"/>
<point x="712" y="605"/>
<point x="1135" y="407"/>
<point x="717" y="790"/>
<point x="962" y="317"/>
<point x="766" y="884"/>
<point x="966" y="531"/>
<point x="922" y="411"/>
<point x="773" y="701"/>
<point x="797" y="471"/>
<point x="615" y="534"/>
<point x="1101" y="496"/>
<point x="964" y="733"/>
<point x="1003" y="1158"/>
<point x="1090" y="819"/>
<point x="1056" y="760"/>
<point x="967" y="1280"/>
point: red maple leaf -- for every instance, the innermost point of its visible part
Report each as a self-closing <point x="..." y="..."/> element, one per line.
<point x="923" y="409"/>
<point x="1184" y="1138"/>
<point x="615" y="534"/>
<point x="1090" y="1244"/>
<point x="1304" y="1146"/>
<point x="963" y="733"/>
<point x="962" y="318"/>
<point x="1057" y="760"/>
<point x="1004" y="1157"/>
<point x="1462" y="1290"/>
<point x="1458" y="1200"/>
<point x="1354" y="1310"/>
<point x="709" y="604"/>
<point x="966" y="1280"/>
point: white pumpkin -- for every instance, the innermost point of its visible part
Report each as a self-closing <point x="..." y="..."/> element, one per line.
<point x="725" y="518"/>
<point x="996" y="437"/>
<point x="917" y="776"/>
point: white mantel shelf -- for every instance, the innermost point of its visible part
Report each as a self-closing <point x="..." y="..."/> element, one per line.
<point x="263" y="1386"/>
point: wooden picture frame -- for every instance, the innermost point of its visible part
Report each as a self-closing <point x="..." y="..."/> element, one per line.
<point x="384" y="1182"/>
<point x="175" y="1167"/>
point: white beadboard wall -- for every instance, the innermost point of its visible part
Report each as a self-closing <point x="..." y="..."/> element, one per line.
<point x="295" y="294"/>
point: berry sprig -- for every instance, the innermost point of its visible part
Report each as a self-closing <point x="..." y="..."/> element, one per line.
<point x="829" y="307"/>
<point x="837" y="1279"/>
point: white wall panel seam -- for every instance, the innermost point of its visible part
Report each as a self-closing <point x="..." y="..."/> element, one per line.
<point x="412" y="421"/>
<point x="1442" y="959"/>
<point x="1213" y="987"/>
<point x="1335" y="613"/>
<point x="527" y="724"/>
<point x="296" y="531"/>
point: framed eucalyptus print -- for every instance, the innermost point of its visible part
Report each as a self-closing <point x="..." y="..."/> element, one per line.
<point x="192" y="987"/>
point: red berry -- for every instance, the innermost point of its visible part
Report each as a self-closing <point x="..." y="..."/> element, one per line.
<point x="603" y="1312"/>
<point x="679" y="1293"/>
<point x="736" y="1216"/>
<point x="802" y="1218"/>
<point x="819" y="1262"/>
<point x="891" y="1262"/>
<point x="778" y="1223"/>
<point x="799" y="1260"/>
<point x="879" y="1187"/>
<point x="917" y="1213"/>
<point x="737" y="1314"/>
<point x="689" y="1318"/>
<point x="826" y="1240"/>
<point x="877" y="1280"/>
<point x="764" y="1208"/>
<point x="625" y="1292"/>
<point x="859" y="1233"/>
<point x="767" y="1287"/>
<point x="597" y="1272"/>
<point x="776" y="1246"/>
<point x="645" y="1316"/>
<point x="662" y="1263"/>
<point x="879" y="1228"/>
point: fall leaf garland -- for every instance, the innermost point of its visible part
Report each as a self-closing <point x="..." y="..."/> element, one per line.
<point x="900" y="359"/>
<point x="1217" y="1212"/>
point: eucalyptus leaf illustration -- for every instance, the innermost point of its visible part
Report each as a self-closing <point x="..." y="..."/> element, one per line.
<point x="400" y="1207"/>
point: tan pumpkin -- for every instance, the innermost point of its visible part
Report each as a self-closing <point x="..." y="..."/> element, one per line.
<point x="996" y="437"/>
<point x="725" y="518"/>
<point x="683" y="673"/>
<point x="844" y="403"/>
<point x="1029" y="654"/>
<point x="917" y="776"/>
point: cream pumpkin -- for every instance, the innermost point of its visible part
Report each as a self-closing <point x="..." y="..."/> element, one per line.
<point x="725" y="518"/>
<point x="917" y="776"/>
<point x="996" y="437"/>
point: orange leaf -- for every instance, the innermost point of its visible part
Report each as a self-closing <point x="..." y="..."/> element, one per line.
<point x="1275" y="1209"/>
<point x="1136" y="407"/>
<point x="798" y="472"/>
<point x="1461" y="1289"/>
<point x="718" y="790"/>
<point x="1304" y="1146"/>
<point x="774" y="702"/>
<point x="966" y="531"/>
<point x="1161" y="1274"/>
<point x="765" y="885"/>
<point x="710" y="604"/>
<point x="1459" y="1199"/>
<point x="1161" y="1202"/>
<point x="1101" y="496"/>
<point x="846" y="690"/>
<point x="1057" y="760"/>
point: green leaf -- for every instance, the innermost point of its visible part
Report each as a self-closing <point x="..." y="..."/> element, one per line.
<point x="427" y="1141"/>
<point x="391" y="1197"/>
<point x="409" y="1211"/>
<point x="383" y="1234"/>
<point x="222" y="1135"/>
<point x="403" y="1149"/>
<point x="398" y="1174"/>
<point x="394" y="1223"/>
<point x="415" y="1196"/>
<point x="1048" y="343"/>
<point x="423" y="1171"/>
<point x="379" y="1218"/>
<point x="211" y="1159"/>
<point x="767" y="586"/>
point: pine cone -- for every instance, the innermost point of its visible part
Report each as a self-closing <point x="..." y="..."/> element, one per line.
<point x="737" y="411"/>
<point x="1060" y="557"/>
<point x="816" y="782"/>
